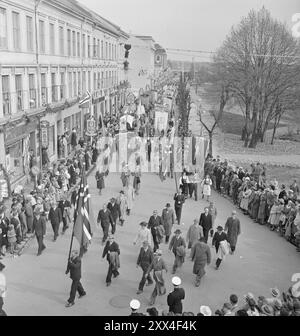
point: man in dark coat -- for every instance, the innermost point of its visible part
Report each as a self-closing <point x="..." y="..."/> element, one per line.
<point x="219" y="236"/>
<point x="105" y="219"/>
<point x="4" y="222"/>
<point x="39" y="228"/>
<point x="154" y="222"/>
<point x="206" y="223"/>
<point x="168" y="220"/>
<point x="179" y="201"/>
<point x="174" y="298"/>
<point x="144" y="260"/>
<point x="55" y="217"/>
<point x="114" y="208"/>
<point x="110" y="247"/>
<point x="65" y="207"/>
<point x="74" y="267"/>
<point x="72" y="173"/>
<point x="233" y="229"/>
<point x="177" y="246"/>
<point x="201" y="256"/>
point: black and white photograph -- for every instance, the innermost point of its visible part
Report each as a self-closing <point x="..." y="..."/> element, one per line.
<point x="149" y="160"/>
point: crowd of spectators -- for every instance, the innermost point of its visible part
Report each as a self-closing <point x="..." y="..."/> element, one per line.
<point x="266" y="202"/>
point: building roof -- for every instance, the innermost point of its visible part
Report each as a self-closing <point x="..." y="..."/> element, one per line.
<point x="145" y="37"/>
<point x="159" y="47"/>
<point x="82" y="10"/>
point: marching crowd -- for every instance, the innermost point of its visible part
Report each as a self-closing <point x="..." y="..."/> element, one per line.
<point x="266" y="202"/>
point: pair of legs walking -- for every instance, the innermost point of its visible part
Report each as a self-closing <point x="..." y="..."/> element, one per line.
<point x="111" y="271"/>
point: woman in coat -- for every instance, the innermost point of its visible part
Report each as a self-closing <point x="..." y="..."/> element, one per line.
<point x="157" y="265"/>
<point x="245" y="198"/>
<point x="274" y="217"/>
<point x="168" y="220"/>
<point x="255" y="205"/>
<point x="262" y="208"/>
<point x="100" y="181"/>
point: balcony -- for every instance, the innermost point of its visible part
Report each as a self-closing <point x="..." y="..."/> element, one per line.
<point x="44" y="94"/>
<point x="32" y="98"/>
<point x="6" y="101"/>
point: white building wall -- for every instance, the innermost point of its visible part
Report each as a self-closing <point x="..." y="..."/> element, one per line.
<point x="141" y="64"/>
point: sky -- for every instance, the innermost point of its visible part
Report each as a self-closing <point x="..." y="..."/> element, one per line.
<point x="187" y="24"/>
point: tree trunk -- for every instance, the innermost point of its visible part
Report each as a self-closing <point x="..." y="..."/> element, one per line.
<point x="210" y="149"/>
<point x="254" y="140"/>
<point x="276" y="123"/>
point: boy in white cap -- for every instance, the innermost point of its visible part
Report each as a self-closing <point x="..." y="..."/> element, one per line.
<point x="174" y="298"/>
<point x="135" y="305"/>
<point x="205" y="311"/>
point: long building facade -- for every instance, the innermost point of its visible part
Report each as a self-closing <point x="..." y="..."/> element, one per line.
<point x="51" y="53"/>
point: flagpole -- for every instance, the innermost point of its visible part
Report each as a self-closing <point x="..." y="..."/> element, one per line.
<point x="75" y="216"/>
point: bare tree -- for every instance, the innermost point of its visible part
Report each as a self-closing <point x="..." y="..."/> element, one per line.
<point x="260" y="57"/>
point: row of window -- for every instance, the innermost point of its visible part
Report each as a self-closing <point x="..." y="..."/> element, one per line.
<point x="17" y="99"/>
<point x="78" y="45"/>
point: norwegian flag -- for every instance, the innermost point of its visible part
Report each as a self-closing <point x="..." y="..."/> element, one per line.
<point x="82" y="227"/>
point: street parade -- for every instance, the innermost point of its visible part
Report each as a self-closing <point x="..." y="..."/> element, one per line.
<point x="130" y="210"/>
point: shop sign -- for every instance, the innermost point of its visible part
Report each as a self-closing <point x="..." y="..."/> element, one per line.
<point x="44" y="125"/>
<point x="91" y="127"/>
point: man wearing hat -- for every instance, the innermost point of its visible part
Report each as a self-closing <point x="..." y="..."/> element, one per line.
<point x="2" y="289"/>
<point x="39" y="228"/>
<point x="114" y="208"/>
<point x="168" y="220"/>
<point x="233" y="230"/>
<point x="155" y="222"/>
<point x="135" y="305"/>
<point x="219" y="237"/>
<point x="174" y="298"/>
<point x="201" y="256"/>
<point x="65" y="208"/>
<point x="55" y="217"/>
<point x="179" y="201"/>
<point x="104" y="219"/>
<point x="74" y="267"/>
<point x="177" y="246"/>
<point x="144" y="261"/>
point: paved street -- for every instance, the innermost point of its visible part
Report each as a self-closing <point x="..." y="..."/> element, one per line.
<point x="39" y="286"/>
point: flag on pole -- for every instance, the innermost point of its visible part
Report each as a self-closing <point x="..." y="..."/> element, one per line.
<point x="85" y="100"/>
<point x="82" y="227"/>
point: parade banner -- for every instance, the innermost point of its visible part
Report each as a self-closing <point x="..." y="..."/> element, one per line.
<point x="161" y="121"/>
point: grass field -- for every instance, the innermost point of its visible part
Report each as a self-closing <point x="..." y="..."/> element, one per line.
<point x="233" y="123"/>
